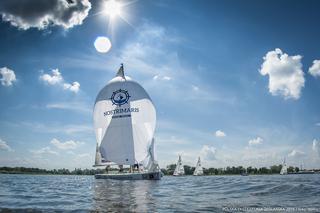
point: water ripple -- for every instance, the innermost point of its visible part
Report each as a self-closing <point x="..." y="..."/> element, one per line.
<point x="171" y="194"/>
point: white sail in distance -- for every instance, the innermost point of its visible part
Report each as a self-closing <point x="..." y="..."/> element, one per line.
<point x="124" y="121"/>
<point x="284" y="169"/>
<point x="179" y="170"/>
<point x="198" y="170"/>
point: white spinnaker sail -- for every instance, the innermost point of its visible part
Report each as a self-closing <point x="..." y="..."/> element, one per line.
<point x="198" y="170"/>
<point x="179" y="170"/>
<point x="150" y="163"/>
<point x="98" y="158"/>
<point x="126" y="116"/>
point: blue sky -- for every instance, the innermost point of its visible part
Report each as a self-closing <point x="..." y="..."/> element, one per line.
<point x="235" y="82"/>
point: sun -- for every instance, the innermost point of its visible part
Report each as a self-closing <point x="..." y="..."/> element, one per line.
<point x="112" y="8"/>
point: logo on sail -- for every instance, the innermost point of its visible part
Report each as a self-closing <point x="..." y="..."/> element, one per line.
<point x="120" y="97"/>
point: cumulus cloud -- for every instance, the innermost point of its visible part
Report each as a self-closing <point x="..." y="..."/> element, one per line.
<point x="4" y="146"/>
<point x="74" y="87"/>
<point x="286" y="77"/>
<point x="255" y="141"/>
<point x="25" y="14"/>
<point x="316" y="146"/>
<point x="220" y="133"/>
<point x="45" y="150"/>
<point x="66" y="145"/>
<point x="296" y="153"/>
<point x="56" y="79"/>
<point x="7" y="76"/>
<point x="314" y="70"/>
<point x="208" y="152"/>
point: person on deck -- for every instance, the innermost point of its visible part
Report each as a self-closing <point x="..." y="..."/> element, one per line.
<point x="136" y="166"/>
<point x="107" y="169"/>
<point x="120" y="168"/>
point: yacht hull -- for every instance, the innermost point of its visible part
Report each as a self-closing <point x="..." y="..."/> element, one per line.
<point x="131" y="176"/>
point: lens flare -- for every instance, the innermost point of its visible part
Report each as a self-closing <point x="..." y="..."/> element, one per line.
<point x="102" y="44"/>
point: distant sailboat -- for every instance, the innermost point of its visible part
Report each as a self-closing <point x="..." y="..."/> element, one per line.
<point x="198" y="170"/>
<point x="124" y="122"/>
<point x="284" y="169"/>
<point x="179" y="170"/>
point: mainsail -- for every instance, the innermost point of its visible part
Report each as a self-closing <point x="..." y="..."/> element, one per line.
<point x="179" y="170"/>
<point x="198" y="170"/>
<point x="284" y="169"/>
<point x="124" y="122"/>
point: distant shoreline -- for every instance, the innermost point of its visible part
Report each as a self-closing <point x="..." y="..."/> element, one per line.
<point x="168" y="171"/>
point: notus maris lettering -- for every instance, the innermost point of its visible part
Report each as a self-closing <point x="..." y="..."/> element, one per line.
<point x="120" y="111"/>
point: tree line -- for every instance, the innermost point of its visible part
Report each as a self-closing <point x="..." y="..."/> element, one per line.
<point x="275" y="169"/>
<point x="24" y="170"/>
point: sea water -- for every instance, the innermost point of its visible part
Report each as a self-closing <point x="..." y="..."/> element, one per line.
<point x="264" y="193"/>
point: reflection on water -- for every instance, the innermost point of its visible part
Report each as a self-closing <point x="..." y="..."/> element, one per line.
<point x="124" y="195"/>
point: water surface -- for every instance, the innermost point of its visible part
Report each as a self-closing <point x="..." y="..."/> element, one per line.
<point x="180" y="194"/>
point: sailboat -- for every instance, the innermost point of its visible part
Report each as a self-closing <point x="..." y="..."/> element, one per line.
<point x="198" y="170"/>
<point x="124" y="122"/>
<point x="179" y="170"/>
<point x="284" y="170"/>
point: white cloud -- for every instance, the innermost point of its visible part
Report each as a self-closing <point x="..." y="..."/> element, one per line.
<point x="80" y="107"/>
<point x="8" y="76"/>
<point x="57" y="79"/>
<point x="164" y="78"/>
<point x="74" y="87"/>
<point x="170" y="140"/>
<point x="208" y="152"/>
<point x="66" y="145"/>
<point x="45" y="150"/>
<point x="316" y="146"/>
<point x="4" y="146"/>
<point x="41" y="14"/>
<point x="286" y="77"/>
<point x="56" y="127"/>
<point x="84" y="155"/>
<point x="314" y="70"/>
<point x="255" y="141"/>
<point x="220" y="133"/>
<point x="296" y="153"/>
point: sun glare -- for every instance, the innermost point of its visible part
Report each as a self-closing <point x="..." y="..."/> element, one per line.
<point x="112" y="8"/>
